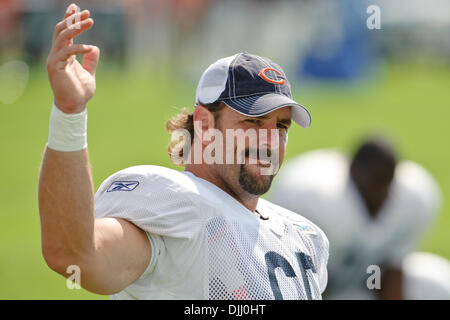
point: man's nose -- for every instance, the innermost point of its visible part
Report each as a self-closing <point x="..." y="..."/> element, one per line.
<point x="268" y="135"/>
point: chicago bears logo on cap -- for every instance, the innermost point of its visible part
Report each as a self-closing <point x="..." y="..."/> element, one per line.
<point x="262" y="74"/>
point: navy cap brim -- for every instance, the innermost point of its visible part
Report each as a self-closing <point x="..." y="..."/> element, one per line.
<point x="259" y="105"/>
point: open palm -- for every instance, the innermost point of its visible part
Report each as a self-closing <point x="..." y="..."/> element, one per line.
<point x="73" y="84"/>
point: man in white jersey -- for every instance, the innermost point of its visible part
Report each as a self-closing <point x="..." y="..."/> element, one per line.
<point x="373" y="208"/>
<point x="155" y="233"/>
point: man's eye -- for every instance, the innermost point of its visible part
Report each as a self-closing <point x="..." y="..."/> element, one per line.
<point x="254" y="121"/>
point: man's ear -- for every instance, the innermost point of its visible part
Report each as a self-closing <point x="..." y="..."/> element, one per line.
<point x="203" y="120"/>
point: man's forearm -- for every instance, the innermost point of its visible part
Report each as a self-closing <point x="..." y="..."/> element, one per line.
<point x="66" y="207"/>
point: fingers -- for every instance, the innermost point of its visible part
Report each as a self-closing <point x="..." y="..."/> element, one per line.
<point x="67" y="55"/>
<point x="71" y="11"/>
<point x="73" y="20"/>
<point x="75" y="49"/>
<point x="70" y="21"/>
<point x="65" y="37"/>
<point x="90" y="60"/>
<point x="63" y="50"/>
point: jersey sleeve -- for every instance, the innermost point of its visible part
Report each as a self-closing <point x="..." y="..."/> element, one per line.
<point x="155" y="202"/>
<point x="149" y="200"/>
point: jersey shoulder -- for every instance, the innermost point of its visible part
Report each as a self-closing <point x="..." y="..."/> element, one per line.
<point x="144" y="177"/>
<point x="306" y="226"/>
<point x="152" y="180"/>
<point x="419" y="187"/>
<point x="315" y="239"/>
<point x="159" y="200"/>
<point x="416" y="178"/>
<point x="320" y="172"/>
<point x="146" y="192"/>
<point x="313" y="184"/>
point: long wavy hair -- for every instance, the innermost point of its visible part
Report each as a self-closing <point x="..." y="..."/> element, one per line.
<point x="185" y="121"/>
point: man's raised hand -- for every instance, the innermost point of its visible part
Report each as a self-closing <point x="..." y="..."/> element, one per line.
<point x="73" y="84"/>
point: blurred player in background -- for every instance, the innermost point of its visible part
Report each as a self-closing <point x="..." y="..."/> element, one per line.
<point x="374" y="210"/>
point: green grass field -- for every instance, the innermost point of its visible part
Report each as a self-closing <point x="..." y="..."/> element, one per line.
<point x="126" y="127"/>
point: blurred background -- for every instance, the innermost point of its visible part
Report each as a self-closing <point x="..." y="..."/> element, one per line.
<point x="354" y="77"/>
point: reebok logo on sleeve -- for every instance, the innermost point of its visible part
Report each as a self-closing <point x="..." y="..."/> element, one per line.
<point x="123" y="186"/>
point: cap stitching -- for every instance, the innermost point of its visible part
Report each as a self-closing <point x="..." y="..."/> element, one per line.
<point x="257" y="94"/>
<point x="276" y="108"/>
<point x="243" y="102"/>
<point x="234" y="78"/>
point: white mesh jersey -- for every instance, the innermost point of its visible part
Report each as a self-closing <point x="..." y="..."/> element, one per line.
<point x="207" y="245"/>
<point x="318" y="185"/>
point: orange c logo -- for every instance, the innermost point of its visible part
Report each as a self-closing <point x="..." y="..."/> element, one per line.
<point x="263" y="75"/>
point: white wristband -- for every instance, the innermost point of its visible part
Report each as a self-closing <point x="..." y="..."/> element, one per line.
<point x="67" y="131"/>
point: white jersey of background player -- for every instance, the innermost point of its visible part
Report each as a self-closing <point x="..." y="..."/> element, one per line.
<point x="318" y="184"/>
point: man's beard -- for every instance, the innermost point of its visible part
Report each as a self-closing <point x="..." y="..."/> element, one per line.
<point x="252" y="184"/>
